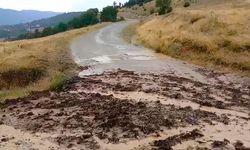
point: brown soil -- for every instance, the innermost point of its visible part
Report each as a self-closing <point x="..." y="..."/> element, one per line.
<point x="174" y="140"/>
<point x="100" y="110"/>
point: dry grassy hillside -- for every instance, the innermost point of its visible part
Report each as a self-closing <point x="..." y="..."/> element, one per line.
<point x="208" y="33"/>
<point x="38" y="64"/>
<point x="136" y="11"/>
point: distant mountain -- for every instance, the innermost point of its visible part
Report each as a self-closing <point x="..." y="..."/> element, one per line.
<point x="11" y="17"/>
<point x="8" y="31"/>
<point x="55" y="20"/>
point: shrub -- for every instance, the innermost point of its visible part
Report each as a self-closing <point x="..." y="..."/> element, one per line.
<point x="162" y="10"/>
<point x="152" y="11"/>
<point x="186" y="4"/>
<point x="160" y="3"/>
<point x="170" y="9"/>
<point x="59" y="83"/>
<point x="165" y="6"/>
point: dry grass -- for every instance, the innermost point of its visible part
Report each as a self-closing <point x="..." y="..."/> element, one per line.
<point x="129" y="32"/>
<point x="212" y="34"/>
<point x="49" y="55"/>
<point x="137" y="12"/>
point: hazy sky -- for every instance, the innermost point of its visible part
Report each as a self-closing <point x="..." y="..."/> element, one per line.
<point x="56" y="5"/>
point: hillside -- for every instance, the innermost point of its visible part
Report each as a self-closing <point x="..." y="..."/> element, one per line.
<point x="209" y="33"/>
<point x="65" y="17"/>
<point x="15" y="30"/>
<point x="37" y="64"/>
<point x="11" y="17"/>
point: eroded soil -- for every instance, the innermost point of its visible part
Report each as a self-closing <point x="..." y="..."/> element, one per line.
<point x="126" y="110"/>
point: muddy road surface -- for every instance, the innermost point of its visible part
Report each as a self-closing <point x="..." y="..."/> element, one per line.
<point x="128" y="98"/>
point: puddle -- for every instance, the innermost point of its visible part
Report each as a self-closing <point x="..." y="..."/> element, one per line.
<point x="142" y="58"/>
<point x="102" y="59"/>
<point x="17" y="139"/>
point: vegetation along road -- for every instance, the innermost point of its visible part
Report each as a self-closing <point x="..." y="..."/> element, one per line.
<point x="128" y="97"/>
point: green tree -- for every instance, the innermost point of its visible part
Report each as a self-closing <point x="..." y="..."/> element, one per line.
<point x="61" y="27"/>
<point x="109" y="13"/>
<point x="94" y="10"/>
<point x="74" y="23"/>
<point x="89" y="17"/>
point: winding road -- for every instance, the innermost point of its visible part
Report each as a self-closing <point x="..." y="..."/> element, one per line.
<point x="105" y="50"/>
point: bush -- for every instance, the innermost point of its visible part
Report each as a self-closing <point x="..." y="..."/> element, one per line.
<point x="162" y="10"/>
<point x="152" y="11"/>
<point x="170" y="9"/>
<point x="59" y="83"/>
<point x="186" y="4"/>
<point x="165" y="6"/>
<point x="161" y="3"/>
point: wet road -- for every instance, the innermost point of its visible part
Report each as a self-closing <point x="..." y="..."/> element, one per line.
<point x="105" y="50"/>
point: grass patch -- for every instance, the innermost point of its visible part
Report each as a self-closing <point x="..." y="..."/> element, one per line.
<point x="15" y="93"/>
<point x="59" y="82"/>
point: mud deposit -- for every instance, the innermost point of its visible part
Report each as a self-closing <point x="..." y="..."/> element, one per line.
<point x="125" y="110"/>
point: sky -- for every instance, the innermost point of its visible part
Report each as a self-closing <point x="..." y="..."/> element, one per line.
<point x="56" y="5"/>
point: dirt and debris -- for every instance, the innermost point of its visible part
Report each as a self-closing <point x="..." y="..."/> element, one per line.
<point x="101" y="115"/>
<point x="123" y="106"/>
<point x="222" y="96"/>
<point x="168" y="143"/>
<point x="220" y="144"/>
<point x="5" y="139"/>
<point x="240" y="146"/>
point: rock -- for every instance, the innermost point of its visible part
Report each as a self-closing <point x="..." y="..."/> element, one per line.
<point x="220" y="144"/>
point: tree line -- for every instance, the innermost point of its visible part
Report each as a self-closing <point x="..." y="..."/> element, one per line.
<point x="90" y="17"/>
